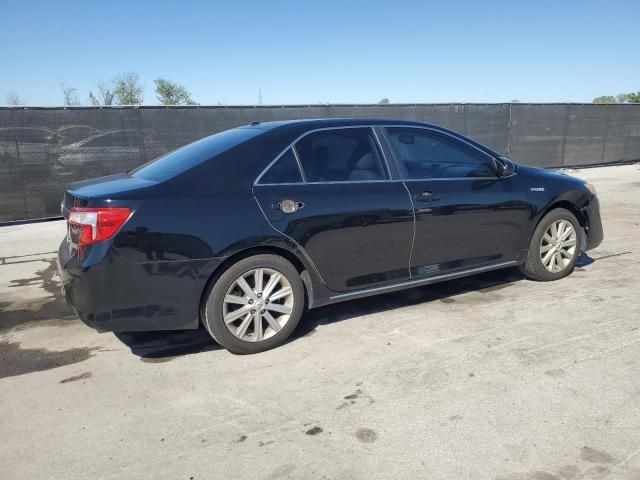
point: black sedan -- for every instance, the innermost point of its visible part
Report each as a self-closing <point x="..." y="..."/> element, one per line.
<point x="243" y="230"/>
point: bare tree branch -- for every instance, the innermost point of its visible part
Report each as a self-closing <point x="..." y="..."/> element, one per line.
<point x="13" y="99"/>
<point x="70" y="95"/>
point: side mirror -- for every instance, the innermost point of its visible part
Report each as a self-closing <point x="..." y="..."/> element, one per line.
<point x="506" y="167"/>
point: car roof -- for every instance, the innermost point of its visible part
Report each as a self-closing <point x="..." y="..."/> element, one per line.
<point x="312" y="123"/>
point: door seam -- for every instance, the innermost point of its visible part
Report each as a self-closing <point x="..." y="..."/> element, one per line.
<point x="304" y="252"/>
<point x="413" y="237"/>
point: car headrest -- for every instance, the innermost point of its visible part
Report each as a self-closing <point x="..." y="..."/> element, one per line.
<point x="367" y="162"/>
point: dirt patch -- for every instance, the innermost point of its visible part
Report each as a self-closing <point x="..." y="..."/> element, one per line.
<point x="366" y="435"/>
<point x="15" y="360"/>
<point x="592" y="455"/>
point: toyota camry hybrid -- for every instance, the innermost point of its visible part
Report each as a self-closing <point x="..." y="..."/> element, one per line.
<point x="244" y="230"/>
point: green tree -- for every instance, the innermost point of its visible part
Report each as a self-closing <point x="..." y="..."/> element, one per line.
<point x="622" y="97"/>
<point x="633" y="97"/>
<point x="127" y="89"/>
<point x="384" y="101"/>
<point x="605" y="99"/>
<point x="172" y="93"/>
<point x="13" y="99"/>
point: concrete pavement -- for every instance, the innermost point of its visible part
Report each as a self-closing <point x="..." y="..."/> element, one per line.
<point x="492" y="376"/>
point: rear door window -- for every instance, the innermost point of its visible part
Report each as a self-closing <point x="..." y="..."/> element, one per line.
<point x="341" y="155"/>
<point x="284" y="170"/>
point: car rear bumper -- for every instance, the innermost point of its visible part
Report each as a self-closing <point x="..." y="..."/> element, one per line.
<point x="119" y="296"/>
<point x="595" y="234"/>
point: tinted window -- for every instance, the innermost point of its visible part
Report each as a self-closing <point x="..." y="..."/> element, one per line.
<point x="187" y="157"/>
<point x="427" y="154"/>
<point x="285" y="170"/>
<point x="340" y="155"/>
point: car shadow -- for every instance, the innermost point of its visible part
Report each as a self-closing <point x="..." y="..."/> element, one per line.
<point x="444" y="292"/>
<point x="163" y="346"/>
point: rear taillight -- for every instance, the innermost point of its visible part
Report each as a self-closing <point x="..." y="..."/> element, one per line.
<point x="93" y="224"/>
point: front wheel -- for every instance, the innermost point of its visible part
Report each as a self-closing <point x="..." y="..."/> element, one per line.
<point x="555" y="246"/>
<point x="255" y="304"/>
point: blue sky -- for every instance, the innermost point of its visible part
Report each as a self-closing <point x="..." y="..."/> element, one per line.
<point x="302" y="52"/>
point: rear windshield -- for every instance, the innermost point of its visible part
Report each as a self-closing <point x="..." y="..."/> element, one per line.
<point x="187" y="157"/>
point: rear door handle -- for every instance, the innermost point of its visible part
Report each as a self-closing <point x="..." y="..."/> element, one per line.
<point x="288" y="205"/>
<point x="426" y="196"/>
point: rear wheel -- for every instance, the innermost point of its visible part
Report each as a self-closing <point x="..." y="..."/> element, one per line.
<point x="555" y="246"/>
<point x="255" y="305"/>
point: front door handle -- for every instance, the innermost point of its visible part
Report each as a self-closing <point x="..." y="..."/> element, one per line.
<point x="426" y="196"/>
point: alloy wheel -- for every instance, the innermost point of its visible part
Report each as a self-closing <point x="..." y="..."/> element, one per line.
<point x="258" y="304"/>
<point x="558" y="246"/>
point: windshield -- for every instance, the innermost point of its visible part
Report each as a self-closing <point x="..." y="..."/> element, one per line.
<point x="184" y="158"/>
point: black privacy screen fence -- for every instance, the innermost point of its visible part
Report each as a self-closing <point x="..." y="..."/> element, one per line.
<point x="44" y="149"/>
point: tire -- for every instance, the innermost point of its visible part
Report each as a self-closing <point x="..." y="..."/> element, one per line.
<point x="232" y="298"/>
<point x="540" y="247"/>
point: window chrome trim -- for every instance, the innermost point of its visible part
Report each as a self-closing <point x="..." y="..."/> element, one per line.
<point x="308" y="132"/>
<point x="295" y="154"/>
<point x="331" y="182"/>
<point x="431" y="129"/>
<point x="433" y="179"/>
<point x="381" y="152"/>
<point x="392" y="180"/>
<point x="272" y="163"/>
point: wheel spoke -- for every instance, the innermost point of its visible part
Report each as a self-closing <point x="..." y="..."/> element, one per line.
<point x="547" y="258"/>
<point x="568" y="243"/>
<point x="272" y="321"/>
<point x="229" y="298"/>
<point x="271" y="284"/>
<point x="553" y="229"/>
<point x="546" y="248"/>
<point x="568" y="232"/>
<point x="257" y="325"/>
<point x="258" y="277"/>
<point x="566" y="254"/>
<point x="560" y="230"/>
<point x="558" y="261"/>
<point x="547" y="238"/>
<point x="236" y="314"/>
<point x="283" y="292"/>
<point x="242" y="329"/>
<point x="248" y="291"/>
<point x="276" y="307"/>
